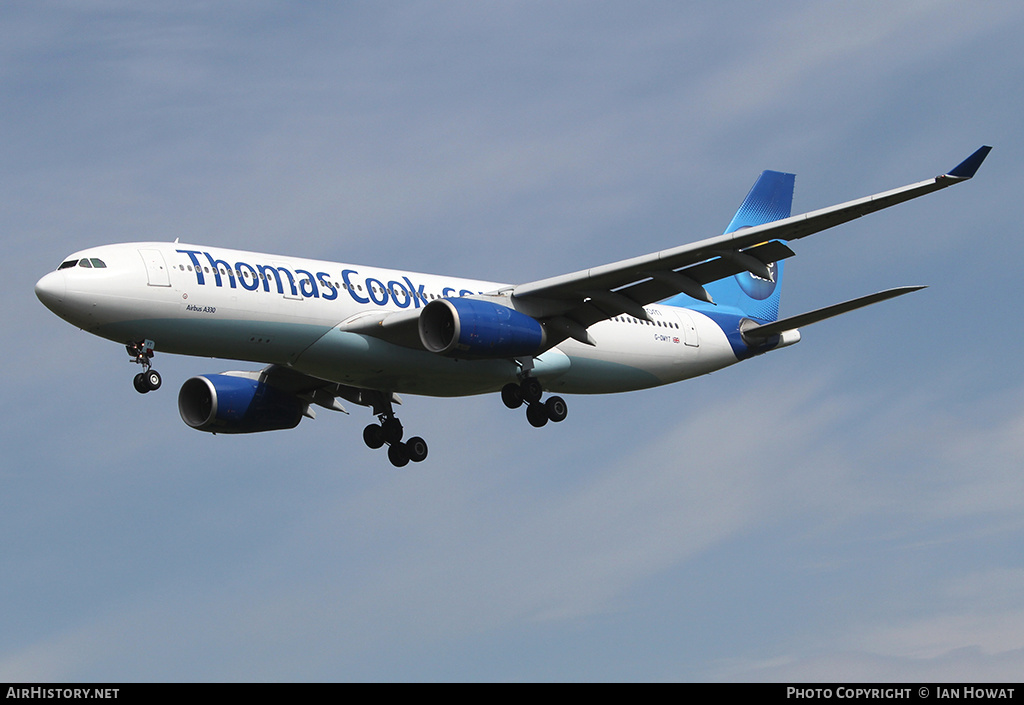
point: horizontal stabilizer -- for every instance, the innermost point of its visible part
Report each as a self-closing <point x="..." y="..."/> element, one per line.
<point x="757" y="333"/>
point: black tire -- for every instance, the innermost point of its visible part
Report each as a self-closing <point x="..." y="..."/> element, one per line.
<point x="140" y="383"/>
<point x="531" y="390"/>
<point x="392" y="430"/>
<point x="512" y="395"/>
<point x="373" y="436"/>
<point x="537" y="415"/>
<point x="556" y="409"/>
<point x="398" y="455"/>
<point x="416" y="449"/>
<point x="153" y="380"/>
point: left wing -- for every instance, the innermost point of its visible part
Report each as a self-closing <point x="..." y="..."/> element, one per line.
<point x="316" y="391"/>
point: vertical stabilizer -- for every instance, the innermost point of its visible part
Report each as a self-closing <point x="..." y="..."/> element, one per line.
<point x="770" y="199"/>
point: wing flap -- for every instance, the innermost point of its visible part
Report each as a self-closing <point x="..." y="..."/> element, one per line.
<point x="654" y="285"/>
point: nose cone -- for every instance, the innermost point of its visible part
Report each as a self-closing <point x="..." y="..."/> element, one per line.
<point x="51" y="290"/>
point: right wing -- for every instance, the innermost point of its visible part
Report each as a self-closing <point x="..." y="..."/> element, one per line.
<point x="569" y="304"/>
<point x="576" y="301"/>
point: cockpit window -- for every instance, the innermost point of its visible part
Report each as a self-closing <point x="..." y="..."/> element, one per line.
<point x="86" y="262"/>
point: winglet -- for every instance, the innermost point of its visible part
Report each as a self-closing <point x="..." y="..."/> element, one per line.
<point x="968" y="167"/>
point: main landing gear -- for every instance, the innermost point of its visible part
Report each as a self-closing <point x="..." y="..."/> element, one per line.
<point x="530" y="391"/>
<point x="389" y="431"/>
<point x="149" y="379"/>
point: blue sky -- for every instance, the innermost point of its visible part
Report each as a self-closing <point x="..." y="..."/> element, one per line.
<point x="848" y="508"/>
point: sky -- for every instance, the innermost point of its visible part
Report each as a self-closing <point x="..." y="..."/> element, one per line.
<point x="850" y="508"/>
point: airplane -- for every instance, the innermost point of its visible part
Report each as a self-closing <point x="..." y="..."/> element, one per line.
<point x="329" y="331"/>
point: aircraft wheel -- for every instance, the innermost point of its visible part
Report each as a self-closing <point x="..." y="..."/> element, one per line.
<point x="416" y="449"/>
<point x="556" y="409"/>
<point x="532" y="390"/>
<point x="398" y="455"/>
<point x="537" y="414"/>
<point x="140" y="383"/>
<point x="392" y="430"/>
<point x="373" y="436"/>
<point x="153" y="380"/>
<point x="512" y="395"/>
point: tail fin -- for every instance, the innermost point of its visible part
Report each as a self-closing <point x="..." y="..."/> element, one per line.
<point x="770" y="199"/>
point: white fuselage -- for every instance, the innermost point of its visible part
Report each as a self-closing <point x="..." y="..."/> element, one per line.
<point x="214" y="302"/>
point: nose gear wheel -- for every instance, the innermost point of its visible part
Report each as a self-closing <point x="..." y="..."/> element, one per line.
<point x="141" y="352"/>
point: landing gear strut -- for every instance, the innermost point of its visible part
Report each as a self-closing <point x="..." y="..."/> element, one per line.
<point x="389" y="431"/>
<point x="149" y="379"/>
<point x="530" y="391"/>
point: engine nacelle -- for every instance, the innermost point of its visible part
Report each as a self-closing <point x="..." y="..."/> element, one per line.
<point x="472" y="328"/>
<point x="229" y="404"/>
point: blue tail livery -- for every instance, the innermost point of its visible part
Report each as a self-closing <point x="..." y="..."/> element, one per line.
<point x="747" y="293"/>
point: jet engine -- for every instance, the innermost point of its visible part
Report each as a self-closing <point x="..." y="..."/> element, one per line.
<point x="465" y="327"/>
<point x="229" y="404"/>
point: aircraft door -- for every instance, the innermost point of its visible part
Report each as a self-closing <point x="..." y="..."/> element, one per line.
<point x="690" y="336"/>
<point x="156" y="268"/>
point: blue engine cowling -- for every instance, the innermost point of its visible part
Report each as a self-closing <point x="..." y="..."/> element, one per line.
<point x="229" y="404"/>
<point x="482" y="329"/>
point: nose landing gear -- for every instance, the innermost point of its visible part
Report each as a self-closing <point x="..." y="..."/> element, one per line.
<point x="149" y="379"/>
